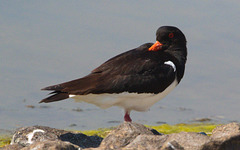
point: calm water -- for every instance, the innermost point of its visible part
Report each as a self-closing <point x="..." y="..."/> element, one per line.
<point x="44" y="43"/>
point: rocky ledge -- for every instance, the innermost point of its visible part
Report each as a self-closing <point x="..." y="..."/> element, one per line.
<point x="125" y="136"/>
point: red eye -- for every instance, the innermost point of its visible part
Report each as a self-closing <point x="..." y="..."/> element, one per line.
<point x="170" y="35"/>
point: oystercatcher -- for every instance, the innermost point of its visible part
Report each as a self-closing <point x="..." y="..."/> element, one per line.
<point x="133" y="80"/>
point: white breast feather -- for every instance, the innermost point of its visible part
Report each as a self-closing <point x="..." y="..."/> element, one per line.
<point x="128" y="101"/>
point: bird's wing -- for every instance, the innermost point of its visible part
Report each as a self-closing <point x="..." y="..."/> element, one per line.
<point x="132" y="71"/>
<point x="146" y="77"/>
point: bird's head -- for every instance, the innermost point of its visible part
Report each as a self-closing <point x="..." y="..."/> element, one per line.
<point x="168" y="37"/>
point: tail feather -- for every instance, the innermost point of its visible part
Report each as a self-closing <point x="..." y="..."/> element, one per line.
<point x="56" y="97"/>
<point x="57" y="87"/>
<point x="80" y="86"/>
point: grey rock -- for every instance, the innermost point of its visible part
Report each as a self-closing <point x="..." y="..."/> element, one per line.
<point x="145" y="142"/>
<point x="185" y="140"/>
<point x="12" y="147"/>
<point x="176" y="141"/>
<point x="172" y="146"/>
<point x="52" y="145"/>
<point x="225" y="137"/>
<point x="123" y="135"/>
<point x="27" y="136"/>
<point x="137" y="136"/>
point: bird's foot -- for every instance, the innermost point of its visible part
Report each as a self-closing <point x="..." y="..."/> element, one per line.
<point x="127" y="117"/>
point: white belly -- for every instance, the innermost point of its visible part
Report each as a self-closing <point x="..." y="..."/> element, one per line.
<point x="128" y="101"/>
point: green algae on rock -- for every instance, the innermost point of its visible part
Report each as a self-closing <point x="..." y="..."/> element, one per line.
<point x="4" y="140"/>
<point x="168" y="129"/>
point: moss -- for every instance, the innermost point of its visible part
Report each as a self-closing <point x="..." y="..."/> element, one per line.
<point x="168" y="129"/>
<point x="100" y="132"/>
<point x="4" y="140"/>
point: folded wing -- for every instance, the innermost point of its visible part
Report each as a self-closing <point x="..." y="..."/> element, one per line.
<point x="132" y="71"/>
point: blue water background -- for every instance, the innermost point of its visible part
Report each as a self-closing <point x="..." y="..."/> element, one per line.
<point x="48" y="42"/>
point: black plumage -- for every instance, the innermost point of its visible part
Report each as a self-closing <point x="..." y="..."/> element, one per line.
<point x="139" y="70"/>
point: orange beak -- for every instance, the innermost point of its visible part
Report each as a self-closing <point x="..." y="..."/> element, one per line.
<point x="156" y="46"/>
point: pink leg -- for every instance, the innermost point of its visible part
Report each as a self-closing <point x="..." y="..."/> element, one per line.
<point x="127" y="117"/>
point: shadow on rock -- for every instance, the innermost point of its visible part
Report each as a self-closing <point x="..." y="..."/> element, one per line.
<point x="81" y="140"/>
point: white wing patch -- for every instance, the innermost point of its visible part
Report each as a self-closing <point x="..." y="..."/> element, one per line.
<point x="170" y="63"/>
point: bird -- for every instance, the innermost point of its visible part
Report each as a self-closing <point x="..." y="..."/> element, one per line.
<point x="133" y="80"/>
